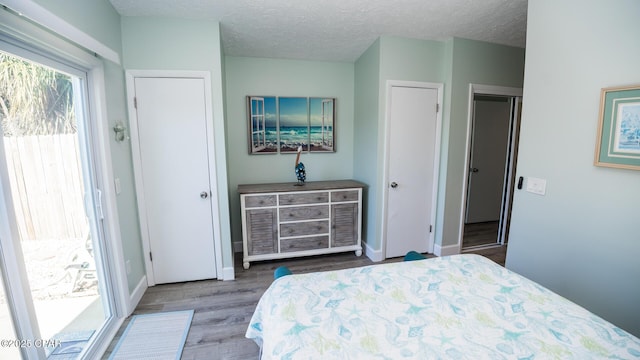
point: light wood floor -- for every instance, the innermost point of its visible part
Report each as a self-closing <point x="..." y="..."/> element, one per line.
<point x="223" y="308"/>
<point x="476" y="234"/>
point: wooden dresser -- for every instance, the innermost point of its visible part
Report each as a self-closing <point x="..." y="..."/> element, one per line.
<point x="282" y="220"/>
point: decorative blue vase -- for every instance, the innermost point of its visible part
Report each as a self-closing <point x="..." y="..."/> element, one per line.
<point x="300" y="173"/>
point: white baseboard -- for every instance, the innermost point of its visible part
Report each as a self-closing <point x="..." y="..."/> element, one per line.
<point x="374" y="255"/>
<point x="440" y="250"/>
<point x="136" y="295"/>
<point x="228" y="274"/>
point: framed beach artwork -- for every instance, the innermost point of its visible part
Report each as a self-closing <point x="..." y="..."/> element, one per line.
<point x="263" y="124"/>
<point x="618" y="142"/>
<point x="282" y="124"/>
<point x="293" y="123"/>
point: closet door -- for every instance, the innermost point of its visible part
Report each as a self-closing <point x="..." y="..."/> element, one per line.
<point x="174" y="178"/>
<point x="412" y="175"/>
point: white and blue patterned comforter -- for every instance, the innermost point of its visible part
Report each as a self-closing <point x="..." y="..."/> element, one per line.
<point x="457" y="307"/>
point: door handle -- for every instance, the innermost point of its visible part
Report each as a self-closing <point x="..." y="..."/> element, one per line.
<point x="475" y="170"/>
<point x="204" y="194"/>
<point x="394" y="184"/>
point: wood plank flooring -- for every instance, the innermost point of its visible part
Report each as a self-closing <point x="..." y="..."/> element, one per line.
<point x="477" y="234"/>
<point x="223" y="308"/>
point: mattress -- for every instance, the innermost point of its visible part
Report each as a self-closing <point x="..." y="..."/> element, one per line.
<point x="456" y="307"/>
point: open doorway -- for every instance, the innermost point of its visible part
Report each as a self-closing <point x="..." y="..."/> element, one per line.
<point x="494" y="122"/>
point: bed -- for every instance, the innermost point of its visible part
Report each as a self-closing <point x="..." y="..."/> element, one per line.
<point x="455" y="307"/>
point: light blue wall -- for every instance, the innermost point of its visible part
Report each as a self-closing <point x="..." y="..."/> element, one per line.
<point x="96" y="18"/>
<point x="178" y="44"/>
<point x="365" y="140"/>
<point x="99" y="20"/>
<point x="582" y="238"/>
<point x="123" y="170"/>
<point x="169" y="44"/>
<point x="272" y="77"/>
<point x="411" y="60"/>
<point x="444" y="145"/>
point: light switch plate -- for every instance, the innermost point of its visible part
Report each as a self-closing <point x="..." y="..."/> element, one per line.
<point x="536" y="186"/>
<point x="116" y="182"/>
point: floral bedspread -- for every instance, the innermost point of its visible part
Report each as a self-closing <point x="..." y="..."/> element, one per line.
<point x="456" y="307"/>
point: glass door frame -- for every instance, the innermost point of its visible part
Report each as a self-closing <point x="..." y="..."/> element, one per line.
<point x="91" y="102"/>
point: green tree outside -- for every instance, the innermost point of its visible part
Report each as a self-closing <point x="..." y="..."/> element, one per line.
<point x="34" y="100"/>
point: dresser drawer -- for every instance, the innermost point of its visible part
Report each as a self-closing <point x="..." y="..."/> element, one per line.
<point x="304" y="228"/>
<point x="260" y="201"/>
<point x="304" y="213"/>
<point x="350" y="195"/>
<point x="302" y="244"/>
<point x="304" y="198"/>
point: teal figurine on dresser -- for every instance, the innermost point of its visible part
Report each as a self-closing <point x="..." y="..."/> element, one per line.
<point x="301" y="174"/>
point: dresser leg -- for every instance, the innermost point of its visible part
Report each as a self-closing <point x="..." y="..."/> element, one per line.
<point x="358" y="252"/>
<point x="245" y="265"/>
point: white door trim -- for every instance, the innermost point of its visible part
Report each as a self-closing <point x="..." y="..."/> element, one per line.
<point x="385" y="159"/>
<point x="137" y="165"/>
<point x="485" y="90"/>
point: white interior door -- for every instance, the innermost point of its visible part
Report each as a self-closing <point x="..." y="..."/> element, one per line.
<point x="172" y="135"/>
<point x="411" y="169"/>
<point x="489" y="149"/>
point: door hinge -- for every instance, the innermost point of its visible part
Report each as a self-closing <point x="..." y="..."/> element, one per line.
<point x="135" y="102"/>
<point x="150" y="256"/>
<point x="430" y="228"/>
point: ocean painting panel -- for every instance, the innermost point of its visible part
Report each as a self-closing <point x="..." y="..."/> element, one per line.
<point x="263" y="134"/>
<point x="321" y="121"/>
<point x="293" y="124"/>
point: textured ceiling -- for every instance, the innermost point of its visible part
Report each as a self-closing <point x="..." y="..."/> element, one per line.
<point x="340" y="30"/>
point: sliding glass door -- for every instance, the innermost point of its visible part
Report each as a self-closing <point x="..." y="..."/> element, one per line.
<point x="59" y="292"/>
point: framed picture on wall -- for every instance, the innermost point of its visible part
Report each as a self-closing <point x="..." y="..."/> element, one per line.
<point x="282" y="124"/>
<point x="263" y="124"/>
<point x="618" y="142"/>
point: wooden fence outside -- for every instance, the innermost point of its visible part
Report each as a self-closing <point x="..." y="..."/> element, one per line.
<point x="46" y="186"/>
